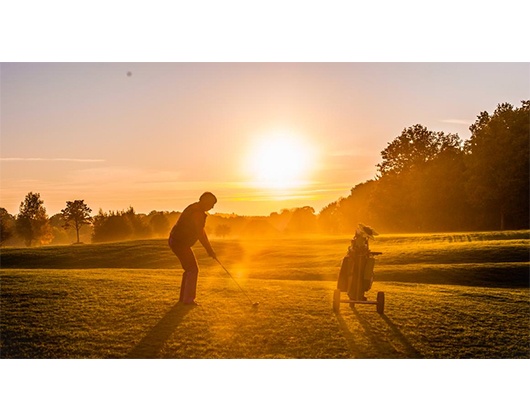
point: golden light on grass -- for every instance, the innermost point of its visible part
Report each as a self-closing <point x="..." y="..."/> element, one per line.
<point x="280" y="161"/>
<point x="457" y="295"/>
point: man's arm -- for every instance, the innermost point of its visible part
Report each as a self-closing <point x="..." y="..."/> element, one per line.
<point x="203" y="238"/>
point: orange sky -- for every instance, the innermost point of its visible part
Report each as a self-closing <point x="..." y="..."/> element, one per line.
<point x="261" y="136"/>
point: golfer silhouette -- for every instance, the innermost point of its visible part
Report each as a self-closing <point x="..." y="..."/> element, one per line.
<point x="188" y="229"/>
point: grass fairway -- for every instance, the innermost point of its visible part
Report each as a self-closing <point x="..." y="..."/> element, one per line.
<point x="447" y="296"/>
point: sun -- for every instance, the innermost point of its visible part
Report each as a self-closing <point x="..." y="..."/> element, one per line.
<point x="280" y="161"/>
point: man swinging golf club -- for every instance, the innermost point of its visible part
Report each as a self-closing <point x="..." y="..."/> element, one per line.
<point x="188" y="229"/>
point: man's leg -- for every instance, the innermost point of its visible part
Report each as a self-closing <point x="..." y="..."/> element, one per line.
<point x="182" y="286"/>
<point x="188" y="287"/>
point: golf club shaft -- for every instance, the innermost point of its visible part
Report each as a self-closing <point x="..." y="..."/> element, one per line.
<point x="230" y="275"/>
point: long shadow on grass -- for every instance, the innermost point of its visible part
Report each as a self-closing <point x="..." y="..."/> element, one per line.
<point x="411" y="351"/>
<point x="351" y="339"/>
<point x="153" y="342"/>
<point x="379" y="346"/>
<point x="373" y="335"/>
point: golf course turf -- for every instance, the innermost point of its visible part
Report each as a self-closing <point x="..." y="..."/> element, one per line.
<point x="447" y="296"/>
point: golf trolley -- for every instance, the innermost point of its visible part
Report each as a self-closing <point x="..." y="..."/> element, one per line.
<point x="357" y="272"/>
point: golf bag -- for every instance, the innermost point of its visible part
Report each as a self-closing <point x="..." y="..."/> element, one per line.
<point x="356" y="274"/>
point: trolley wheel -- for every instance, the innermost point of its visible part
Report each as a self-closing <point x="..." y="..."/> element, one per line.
<point x="380" y="302"/>
<point x="336" y="300"/>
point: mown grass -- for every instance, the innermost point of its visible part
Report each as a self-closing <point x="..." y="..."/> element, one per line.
<point x="446" y="297"/>
<point x="497" y="258"/>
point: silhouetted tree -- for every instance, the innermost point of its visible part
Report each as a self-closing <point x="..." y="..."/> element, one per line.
<point x="60" y="235"/>
<point x="441" y="201"/>
<point x="426" y="197"/>
<point x="498" y="163"/>
<point x="7" y="223"/>
<point x="415" y="166"/>
<point x="140" y="228"/>
<point x="429" y="181"/>
<point x="120" y="226"/>
<point x="303" y="220"/>
<point x="357" y="208"/>
<point x="280" y="220"/>
<point x="159" y="224"/>
<point x="329" y="218"/>
<point x="32" y="221"/>
<point x="77" y="213"/>
<point x="415" y="146"/>
<point x="344" y="215"/>
<point x="392" y="203"/>
<point x="111" y="226"/>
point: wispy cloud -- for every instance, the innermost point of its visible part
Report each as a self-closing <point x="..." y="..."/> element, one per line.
<point x="18" y="159"/>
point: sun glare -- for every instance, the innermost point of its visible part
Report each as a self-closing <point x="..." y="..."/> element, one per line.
<point x="280" y="161"/>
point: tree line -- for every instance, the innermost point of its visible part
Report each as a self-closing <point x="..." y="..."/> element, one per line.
<point x="431" y="181"/>
<point x="426" y="181"/>
<point x="75" y="224"/>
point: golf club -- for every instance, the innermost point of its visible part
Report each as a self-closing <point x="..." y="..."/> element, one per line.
<point x="254" y="304"/>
